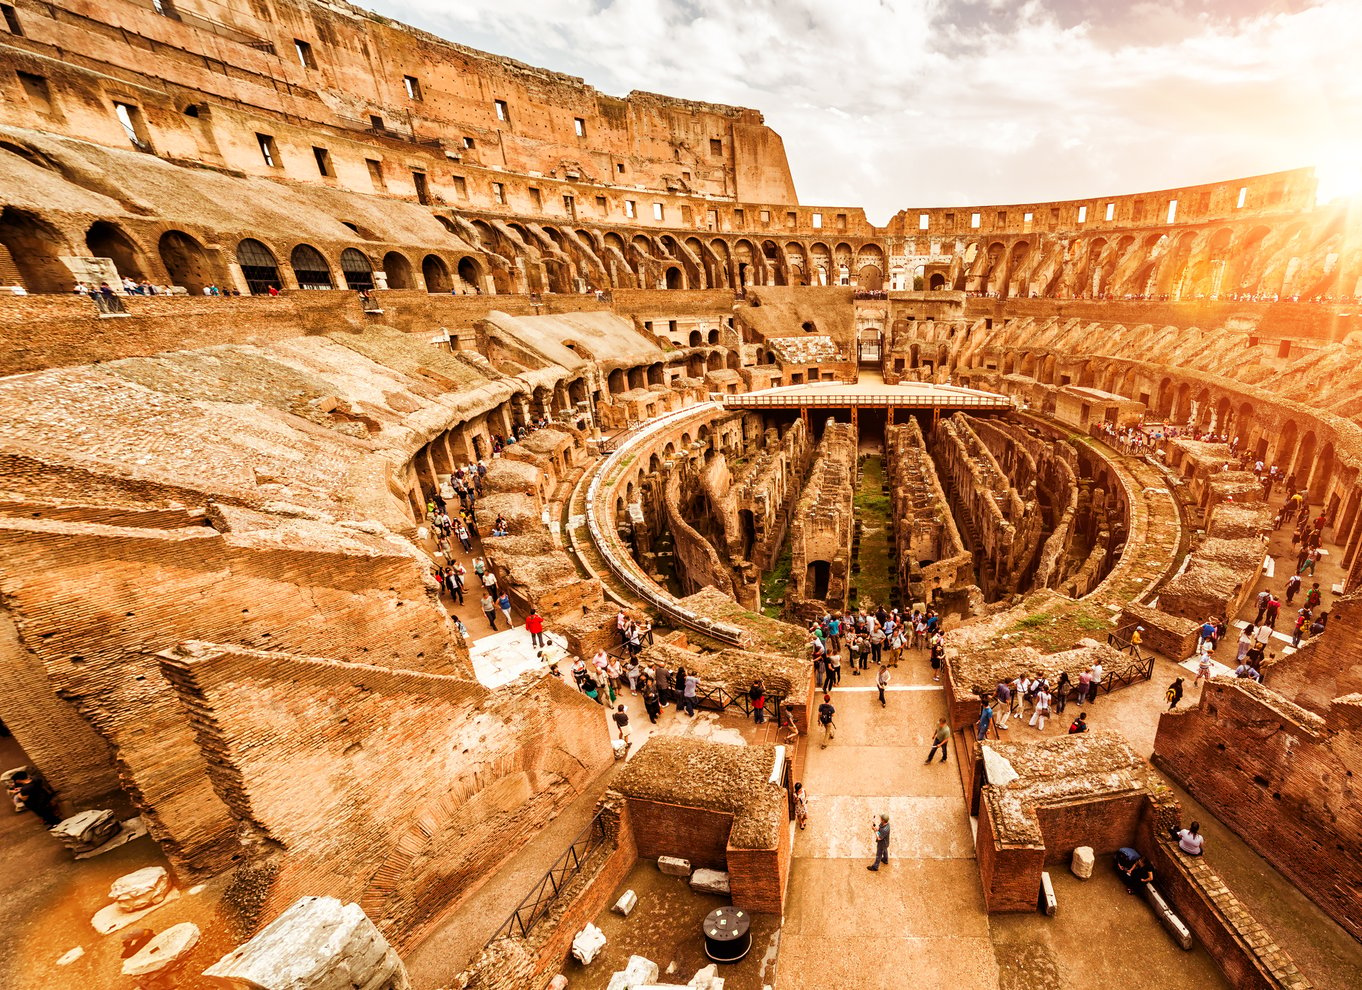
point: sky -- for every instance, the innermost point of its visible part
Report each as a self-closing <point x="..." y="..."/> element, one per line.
<point x="893" y="104"/>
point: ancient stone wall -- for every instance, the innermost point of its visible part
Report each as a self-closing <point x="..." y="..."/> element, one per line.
<point x="931" y="558"/>
<point x="820" y="533"/>
<point x="418" y="784"/>
<point x="1278" y="775"/>
<point x="1325" y="667"/>
<point x="766" y="485"/>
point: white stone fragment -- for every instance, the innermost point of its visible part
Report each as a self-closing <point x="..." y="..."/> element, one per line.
<point x="638" y="972"/>
<point x="141" y="888"/>
<point x="1083" y="862"/>
<point x="559" y="982"/>
<point x="620" y="749"/>
<point x="674" y="866"/>
<point x="997" y="770"/>
<point x="707" y="979"/>
<point x="587" y="943"/>
<point x="627" y="902"/>
<point x="68" y="958"/>
<point x="709" y="881"/>
<point x="163" y="951"/>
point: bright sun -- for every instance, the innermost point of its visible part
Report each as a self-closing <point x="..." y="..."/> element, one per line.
<point x="1339" y="171"/>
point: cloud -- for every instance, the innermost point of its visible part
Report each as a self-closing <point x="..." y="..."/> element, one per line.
<point x="895" y="104"/>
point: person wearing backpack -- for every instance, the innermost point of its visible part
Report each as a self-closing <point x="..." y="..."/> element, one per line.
<point x="825" y="715"/>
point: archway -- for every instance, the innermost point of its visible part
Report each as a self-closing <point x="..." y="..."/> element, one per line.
<point x="357" y="269"/>
<point x="35" y="245"/>
<point x="816" y="578"/>
<point x="258" y="265"/>
<point x="399" y="272"/>
<point x="310" y="268"/>
<point x="870" y="279"/>
<point x="436" y="274"/>
<point x="108" y="240"/>
<point x="470" y="274"/>
<point x="186" y="261"/>
<point x="936" y="282"/>
<point x="675" y="278"/>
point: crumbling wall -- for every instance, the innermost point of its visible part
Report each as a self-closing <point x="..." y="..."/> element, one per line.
<point x="1281" y="777"/>
<point x="1325" y="667"/>
<point x="417" y="784"/>
<point x="820" y="534"/>
<point x="932" y="559"/>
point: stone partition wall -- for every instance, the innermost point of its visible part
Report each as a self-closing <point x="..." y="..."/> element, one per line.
<point x="766" y="483"/>
<point x="1281" y="777"/>
<point x="418" y="784"/>
<point x="932" y="559"/>
<point x="820" y="533"/>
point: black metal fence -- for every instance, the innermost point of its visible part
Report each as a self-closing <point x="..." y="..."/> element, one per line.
<point x="539" y="901"/>
<point x="1142" y="670"/>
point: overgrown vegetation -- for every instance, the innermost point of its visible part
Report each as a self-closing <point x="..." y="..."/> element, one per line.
<point x="774" y="584"/>
<point x="872" y="506"/>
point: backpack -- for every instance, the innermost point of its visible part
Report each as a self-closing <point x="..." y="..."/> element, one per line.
<point x="825" y="714"/>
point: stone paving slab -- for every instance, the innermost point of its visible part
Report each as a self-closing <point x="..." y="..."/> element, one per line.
<point x="839" y="898"/>
<point x="902" y="772"/>
<point x="868" y="961"/>
<point x="920" y="827"/>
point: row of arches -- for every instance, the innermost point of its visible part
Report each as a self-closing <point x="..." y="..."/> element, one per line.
<point x="35" y="247"/>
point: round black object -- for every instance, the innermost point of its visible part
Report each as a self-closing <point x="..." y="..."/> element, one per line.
<point x="727" y="938"/>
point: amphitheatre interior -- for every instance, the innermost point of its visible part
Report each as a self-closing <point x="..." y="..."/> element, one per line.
<point x="283" y="283"/>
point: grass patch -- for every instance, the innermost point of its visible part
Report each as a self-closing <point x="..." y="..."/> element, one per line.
<point x="774" y="584"/>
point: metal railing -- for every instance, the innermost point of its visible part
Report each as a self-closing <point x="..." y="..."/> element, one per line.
<point x="539" y="901"/>
<point x="846" y="399"/>
<point x="1142" y="671"/>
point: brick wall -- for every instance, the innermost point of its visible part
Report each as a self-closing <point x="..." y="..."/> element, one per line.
<point x="1106" y="825"/>
<point x="1010" y="874"/>
<point x="757" y="877"/>
<point x="1243" y="949"/>
<point x="417" y="785"/>
<point x="672" y="830"/>
<point x="1280" y="778"/>
<point x="1328" y="666"/>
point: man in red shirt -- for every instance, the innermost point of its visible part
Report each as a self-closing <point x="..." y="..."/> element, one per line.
<point x="534" y="622"/>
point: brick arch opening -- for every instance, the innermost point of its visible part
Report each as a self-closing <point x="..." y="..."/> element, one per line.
<point x="108" y="240"/>
<point x="186" y="261"/>
<point x="35" y="246"/>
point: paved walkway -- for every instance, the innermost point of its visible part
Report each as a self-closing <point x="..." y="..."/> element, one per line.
<point x="919" y="921"/>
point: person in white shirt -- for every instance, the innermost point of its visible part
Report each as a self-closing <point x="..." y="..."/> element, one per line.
<point x="1190" y="839"/>
<point x="1042" y="711"/>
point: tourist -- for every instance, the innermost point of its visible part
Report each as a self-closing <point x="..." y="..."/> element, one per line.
<point x="662" y="684"/>
<point x="801" y="805"/>
<point x="854" y="650"/>
<point x="1206" y="634"/>
<point x="615" y="673"/>
<point x="1003" y="695"/>
<point x="1245" y="641"/>
<point x="1174" y="693"/>
<point x="882" y="682"/>
<point x="897" y="644"/>
<point x="1203" y="669"/>
<point x="679" y="688"/>
<point x="632" y="673"/>
<point x="881" y="843"/>
<point x="1062" y="688"/>
<point x="504" y="603"/>
<point x="876" y="643"/>
<point x="1246" y="670"/>
<point x="1293" y="585"/>
<point x="1313" y="598"/>
<point x="621" y="718"/>
<point x="1042" y="709"/>
<point x="1134" y="872"/>
<point x="826" y="711"/>
<point x="651" y="704"/>
<point x="1262" y="635"/>
<point x="940" y="738"/>
<point x="833" y="670"/>
<point x="688" y="693"/>
<point x="1079" y="725"/>
<point x="1096" y="681"/>
<point x="1084" y="686"/>
<point x="1190" y="839"/>
<point x="756" y="695"/>
<point x="938" y="652"/>
<point x="534" y="623"/>
<point x="36" y="796"/>
<point x="489" y="609"/>
<point x="985" y="720"/>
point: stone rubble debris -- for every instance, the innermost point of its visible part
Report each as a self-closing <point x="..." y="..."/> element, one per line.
<point x="626" y="904"/>
<point x="674" y="866"/>
<point x="587" y="943"/>
<point x="709" y="881"/>
<point x="1083" y="862"/>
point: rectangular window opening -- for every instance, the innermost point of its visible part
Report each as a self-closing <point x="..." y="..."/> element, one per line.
<point x="924" y="220"/>
<point x="1082" y="214"/>
<point x="659" y="213"/>
<point x="304" y="51"/>
<point x="792" y="219"/>
<point x="817" y="221"/>
<point x="499" y="192"/>
<point x="268" y="149"/>
<point x="503" y="111"/>
<point x="570" y="206"/>
<point x="376" y="174"/>
<point x="536" y="198"/>
<point x="765" y="216"/>
<point x="602" y="206"/>
<point x="375" y="122"/>
<point x="40" y="94"/>
<point x="1002" y="218"/>
<point x="1172" y="211"/>
<point x="413" y="86"/>
<point x="1111" y="211"/>
<point x="460" y="186"/>
<point x="716" y="146"/>
<point x="1243" y="198"/>
<point x="323" y="161"/>
<point x="1028" y="217"/>
<point x="619" y="167"/>
<point x="422" y="187"/>
<point x="469" y="143"/>
<point x="12" y="20"/>
<point x="130" y="116"/>
<point x="974" y="220"/>
<point x="579" y="125"/>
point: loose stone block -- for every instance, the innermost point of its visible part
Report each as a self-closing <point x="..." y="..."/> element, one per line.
<point x="86" y="830"/>
<point x="674" y="866"/>
<point x="709" y="881"/>
<point x="627" y="902"/>
<point x="587" y="943"/>
<point x="559" y="982"/>
<point x="141" y="888"/>
<point x="167" y="949"/>
<point x="1083" y="862"/>
<point x="638" y="972"/>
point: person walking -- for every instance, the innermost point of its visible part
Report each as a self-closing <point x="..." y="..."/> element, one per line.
<point x="1245" y="641"/>
<point x="489" y="609"/>
<point x="621" y="718"/>
<point x="881" y="843"/>
<point x="692" y="685"/>
<point x="801" y="803"/>
<point x="534" y="622"/>
<point x="504" y="603"/>
<point x="1203" y="668"/>
<point x="985" y="719"/>
<point x="940" y="740"/>
<point x="1042" y="710"/>
<point x="882" y="682"/>
<point x="826" y="711"/>
<point x="1174" y="693"/>
<point x="1293" y="585"/>
<point x="651" y="704"/>
<point x="1003" y="695"/>
<point x="1062" y="688"/>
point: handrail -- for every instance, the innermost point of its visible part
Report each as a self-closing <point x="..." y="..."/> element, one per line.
<point x="536" y="904"/>
<point x="748" y="400"/>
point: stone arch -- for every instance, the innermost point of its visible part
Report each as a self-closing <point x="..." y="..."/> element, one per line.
<point x="357" y="270"/>
<point x="399" y="271"/>
<point x="1182" y="405"/>
<point x="1285" y="450"/>
<point x="258" y="266"/>
<point x="775" y="262"/>
<point x="798" y="262"/>
<point x="734" y="361"/>
<point x="617" y="381"/>
<point x="108" y="240"/>
<point x="310" y="268"/>
<point x="1304" y="461"/>
<point x="436" y="273"/>
<point x="470" y="274"/>
<point x="655" y="374"/>
<point x="745" y="263"/>
<point x="186" y="261"/>
<point x="870" y="278"/>
<point x="1321" y="474"/>
<point x="674" y="277"/>
<point x="936" y="282"/>
<point x="36" y="245"/>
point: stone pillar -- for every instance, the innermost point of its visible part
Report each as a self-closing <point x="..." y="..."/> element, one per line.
<point x="317" y="944"/>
